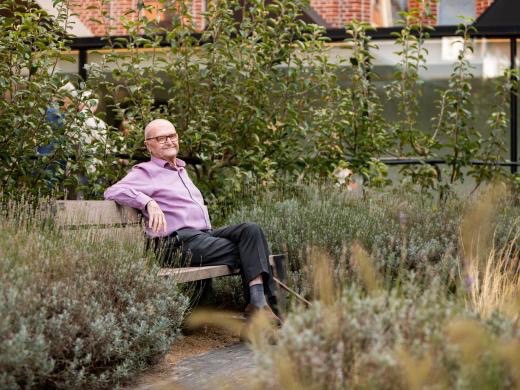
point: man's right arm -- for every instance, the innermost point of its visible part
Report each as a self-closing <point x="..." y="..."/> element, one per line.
<point x="133" y="190"/>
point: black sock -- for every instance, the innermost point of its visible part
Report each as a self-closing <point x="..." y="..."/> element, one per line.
<point x="256" y="293"/>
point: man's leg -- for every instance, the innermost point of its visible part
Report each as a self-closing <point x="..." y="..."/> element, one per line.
<point x="239" y="246"/>
<point x="184" y="249"/>
<point x="254" y="258"/>
<point x="202" y="248"/>
<point x="252" y="249"/>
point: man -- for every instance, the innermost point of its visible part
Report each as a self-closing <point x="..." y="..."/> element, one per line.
<point x="178" y="220"/>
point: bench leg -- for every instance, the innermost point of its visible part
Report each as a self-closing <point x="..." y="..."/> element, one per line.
<point x="279" y="275"/>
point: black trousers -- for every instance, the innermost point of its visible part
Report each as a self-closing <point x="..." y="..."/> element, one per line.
<point x="242" y="246"/>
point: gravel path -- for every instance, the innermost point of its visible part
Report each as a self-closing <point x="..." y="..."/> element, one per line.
<point x="228" y="366"/>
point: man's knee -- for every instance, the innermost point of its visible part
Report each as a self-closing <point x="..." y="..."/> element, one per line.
<point x="252" y="229"/>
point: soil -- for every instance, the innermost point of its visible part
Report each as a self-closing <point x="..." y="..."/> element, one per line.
<point x="198" y="341"/>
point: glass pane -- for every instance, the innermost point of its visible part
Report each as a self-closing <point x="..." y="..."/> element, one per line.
<point x="385" y="13"/>
<point x="381" y="13"/>
<point x="397" y="7"/>
<point x="67" y="66"/>
<point x="451" y="10"/>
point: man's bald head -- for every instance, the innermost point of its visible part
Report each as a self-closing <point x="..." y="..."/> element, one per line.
<point x="162" y="140"/>
<point x="155" y="125"/>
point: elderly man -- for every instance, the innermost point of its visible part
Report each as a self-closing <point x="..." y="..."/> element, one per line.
<point x="178" y="220"/>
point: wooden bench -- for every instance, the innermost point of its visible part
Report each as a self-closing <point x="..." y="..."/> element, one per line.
<point x="75" y="214"/>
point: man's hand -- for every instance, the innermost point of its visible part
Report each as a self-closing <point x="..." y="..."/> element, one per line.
<point x="156" y="219"/>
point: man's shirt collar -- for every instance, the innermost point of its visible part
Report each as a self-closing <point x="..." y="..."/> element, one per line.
<point x="165" y="164"/>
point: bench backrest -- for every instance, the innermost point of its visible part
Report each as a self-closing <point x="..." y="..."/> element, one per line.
<point x="94" y="213"/>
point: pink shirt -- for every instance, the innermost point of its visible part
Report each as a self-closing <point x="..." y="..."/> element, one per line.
<point x="172" y="189"/>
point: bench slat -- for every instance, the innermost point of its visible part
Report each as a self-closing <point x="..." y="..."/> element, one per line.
<point x="190" y="274"/>
<point x="94" y="212"/>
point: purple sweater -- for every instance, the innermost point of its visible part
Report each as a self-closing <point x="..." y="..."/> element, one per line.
<point x="172" y="189"/>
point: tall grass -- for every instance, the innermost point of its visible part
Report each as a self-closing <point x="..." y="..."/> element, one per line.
<point x="78" y="308"/>
<point x="491" y="265"/>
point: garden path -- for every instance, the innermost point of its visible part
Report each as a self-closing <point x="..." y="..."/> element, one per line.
<point x="207" y="359"/>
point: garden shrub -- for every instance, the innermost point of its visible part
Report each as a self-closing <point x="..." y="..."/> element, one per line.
<point x="255" y="97"/>
<point x="443" y="319"/>
<point x="331" y="218"/>
<point x="352" y="131"/>
<point x="47" y="144"/>
<point x="400" y="230"/>
<point x="80" y="308"/>
<point x="404" y="338"/>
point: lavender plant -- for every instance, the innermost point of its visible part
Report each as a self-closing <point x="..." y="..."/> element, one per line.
<point x="79" y="309"/>
<point x="405" y="338"/>
<point x="389" y="225"/>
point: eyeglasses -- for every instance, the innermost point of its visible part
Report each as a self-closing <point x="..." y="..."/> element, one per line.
<point x="163" y="138"/>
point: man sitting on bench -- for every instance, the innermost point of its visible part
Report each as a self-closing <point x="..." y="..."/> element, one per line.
<point x="178" y="220"/>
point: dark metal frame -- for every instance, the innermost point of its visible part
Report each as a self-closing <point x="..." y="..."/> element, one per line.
<point x="83" y="45"/>
<point x="514" y="110"/>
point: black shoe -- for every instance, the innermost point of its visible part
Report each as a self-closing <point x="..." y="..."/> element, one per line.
<point x="252" y="310"/>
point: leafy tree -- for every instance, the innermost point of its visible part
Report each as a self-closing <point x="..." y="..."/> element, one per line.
<point x="242" y="94"/>
<point x="405" y="90"/>
<point x="254" y="96"/>
<point x="42" y="142"/>
<point x="353" y="132"/>
<point x="456" y="119"/>
<point x="493" y="147"/>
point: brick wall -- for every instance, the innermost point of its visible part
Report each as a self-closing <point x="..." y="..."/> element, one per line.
<point x="423" y="6"/>
<point x="118" y="8"/>
<point x="87" y="10"/>
<point x="92" y="9"/>
<point x="482" y="5"/>
<point x="357" y="9"/>
<point x="197" y="8"/>
<point x="329" y="10"/>
<point x="338" y="12"/>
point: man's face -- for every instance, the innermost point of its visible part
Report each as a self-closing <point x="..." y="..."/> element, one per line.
<point x="162" y="141"/>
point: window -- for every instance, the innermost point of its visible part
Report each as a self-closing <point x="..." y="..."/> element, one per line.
<point x="385" y="13"/>
<point x="451" y="10"/>
<point x="397" y="7"/>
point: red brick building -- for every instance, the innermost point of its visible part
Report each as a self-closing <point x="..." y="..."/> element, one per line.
<point x="330" y="13"/>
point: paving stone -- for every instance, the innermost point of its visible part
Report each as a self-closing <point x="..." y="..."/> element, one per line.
<point x="227" y="367"/>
